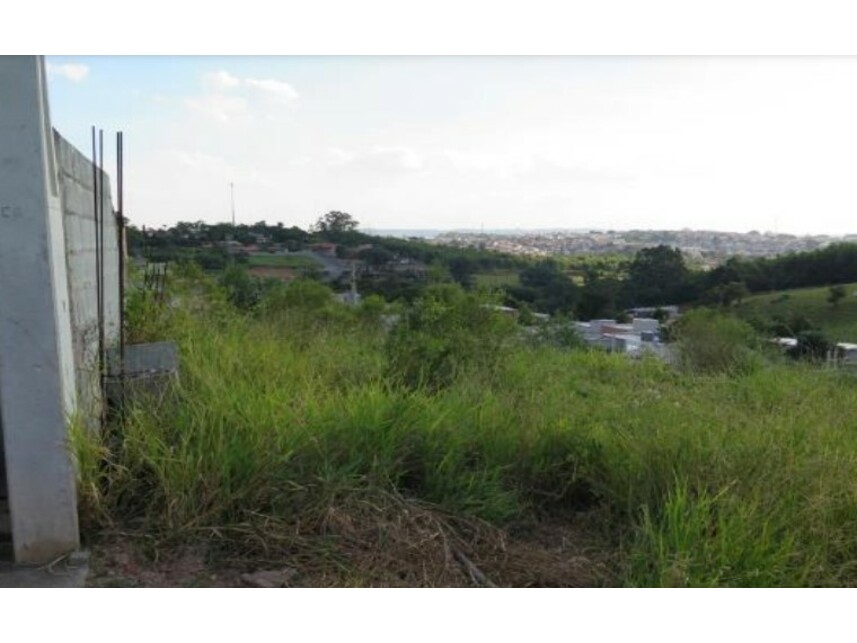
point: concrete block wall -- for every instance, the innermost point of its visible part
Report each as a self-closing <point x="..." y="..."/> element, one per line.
<point x="77" y="193"/>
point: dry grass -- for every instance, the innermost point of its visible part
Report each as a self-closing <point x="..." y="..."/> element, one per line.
<point x="383" y="541"/>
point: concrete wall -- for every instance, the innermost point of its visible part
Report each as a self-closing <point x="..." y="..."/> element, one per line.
<point x="48" y="312"/>
<point x="37" y="380"/>
<point x="76" y="186"/>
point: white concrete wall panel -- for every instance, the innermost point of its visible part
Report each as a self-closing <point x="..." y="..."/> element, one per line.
<point x="37" y="389"/>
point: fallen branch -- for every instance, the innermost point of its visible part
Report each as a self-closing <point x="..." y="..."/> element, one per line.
<point x="475" y="573"/>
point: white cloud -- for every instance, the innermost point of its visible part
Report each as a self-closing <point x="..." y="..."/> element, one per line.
<point x="74" y="72"/>
<point x="219" y="107"/>
<point x="502" y="164"/>
<point x="337" y="156"/>
<point x="227" y="96"/>
<point x="220" y="80"/>
<point x="202" y="162"/>
<point x="394" y="159"/>
<point x="276" y="89"/>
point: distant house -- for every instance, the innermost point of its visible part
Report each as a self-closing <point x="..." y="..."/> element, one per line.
<point x="232" y="247"/>
<point x="409" y="267"/>
<point x="349" y="298"/>
<point x="847" y="352"/>
<point x="506" y="310"/>
<point x="641" y="337"/>
<point x="784" y="342"/>
<point x="650" y="311"/>
<point x="324" y="248"/>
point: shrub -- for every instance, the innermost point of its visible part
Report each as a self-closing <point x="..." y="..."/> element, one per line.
<point x="811" y="345"/>
<point x="301" y="294"/>
<point x="791" y="326"/>
<point x="558" y="332"/>
<point x="835" y="293"/>
<point x="711" y="342"/>
<point x="241" y="288"/>
<point x="445" y="331"/>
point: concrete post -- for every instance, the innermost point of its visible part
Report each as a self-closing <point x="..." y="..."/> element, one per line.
<point x="37" y="390"/>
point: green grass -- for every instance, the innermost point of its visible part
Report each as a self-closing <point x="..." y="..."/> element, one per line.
<point x="497" y="279"/>
<point x="270" y="260"/>
<point x="838" y="322"/>
<point x="281" y="420"/>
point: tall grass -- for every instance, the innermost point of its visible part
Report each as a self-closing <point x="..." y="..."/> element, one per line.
<point x="740" y="479"/>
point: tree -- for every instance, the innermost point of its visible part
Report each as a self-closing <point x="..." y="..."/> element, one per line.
<point x="462" y="270"/>
<point x="376" y="256"/>
<point x="546" y="287"/>
<point x="335" y="222"/>
<point x="811" y="345"/>
<point x="726" y="294"/>
<point x="734" y="292"/>
<point x="835" y="294"/>
<point x="658" y="276"/>
<point x="661" y="315"/>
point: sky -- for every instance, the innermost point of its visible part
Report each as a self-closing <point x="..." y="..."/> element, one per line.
<point x="732" y="144"/>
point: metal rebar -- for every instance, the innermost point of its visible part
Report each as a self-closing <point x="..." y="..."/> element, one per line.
<point x="101" y="344"/>
<point x="95" y="213"/>
<point x="120" y="233"/>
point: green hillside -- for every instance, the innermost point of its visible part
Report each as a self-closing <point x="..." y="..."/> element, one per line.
<point x="838" y="322"/>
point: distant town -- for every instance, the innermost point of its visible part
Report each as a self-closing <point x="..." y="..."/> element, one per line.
<point x="703" y="248"/>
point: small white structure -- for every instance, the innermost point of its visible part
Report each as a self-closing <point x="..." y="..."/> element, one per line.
<point x="649" y="311"/>
<point x="645" y="324"/>
<point x="784" y="342"/>
<point x="349" y="298"/>
<point x="847" y="352"/>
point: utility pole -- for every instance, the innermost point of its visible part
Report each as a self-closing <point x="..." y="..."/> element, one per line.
<point x="232" y="197"/>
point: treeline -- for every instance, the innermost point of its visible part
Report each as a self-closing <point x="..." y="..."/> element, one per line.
<point x="198" y="239"/>
<point x="582" y="287"/>
<point x="835" y="264"/>
<point x="655" y="277"/>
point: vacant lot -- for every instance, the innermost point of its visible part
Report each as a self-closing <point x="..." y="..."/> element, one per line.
<point x="292" y="440"/>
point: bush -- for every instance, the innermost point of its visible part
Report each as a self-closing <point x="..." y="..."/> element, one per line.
<point x="711" y="342"/>
<point x="300" y="294"/>
<point x="811" y="345"/>
<point x="558" y="332"/>
<point x="445" y="331"/>
<point x="242" y="288"/>
<point x="791" y="326"/>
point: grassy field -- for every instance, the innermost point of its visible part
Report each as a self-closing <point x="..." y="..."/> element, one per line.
<point x="838" y="322"/>
<point x="270" y="260"/>
<point x="290" y="438"/>
<point x="497" y="279"/>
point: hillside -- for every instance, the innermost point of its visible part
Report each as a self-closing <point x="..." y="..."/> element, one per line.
<point x="838" y="322"/>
